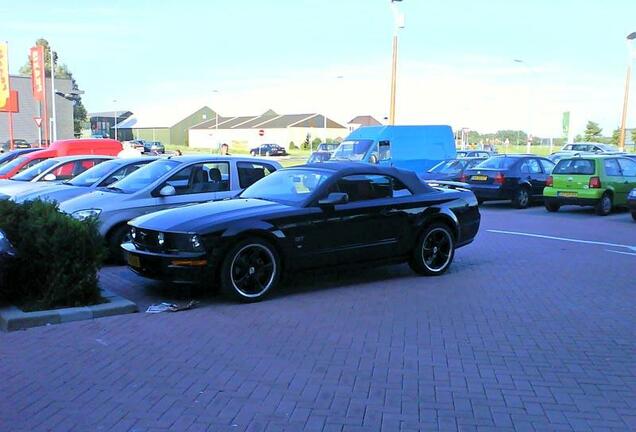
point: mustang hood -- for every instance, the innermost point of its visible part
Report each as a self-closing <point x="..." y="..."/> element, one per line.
<point x="203" y="218"/>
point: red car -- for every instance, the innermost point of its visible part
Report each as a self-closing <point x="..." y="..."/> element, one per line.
<point x="106" y="147"/>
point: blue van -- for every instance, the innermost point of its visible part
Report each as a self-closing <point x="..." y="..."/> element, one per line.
<point x="414" y="148"/>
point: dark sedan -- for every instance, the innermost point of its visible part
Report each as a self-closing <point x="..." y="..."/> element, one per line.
<point x="307" y="217"/>
<point x="451" y="169"/>
<point x="268" y="150"/>
<point x="17" y="144"/>
<point x="518" y="178"/>
<point x="7" y="253"/>
<point x="154" y="147"/>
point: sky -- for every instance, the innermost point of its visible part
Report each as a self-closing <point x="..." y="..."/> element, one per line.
<point x="456" y="58"/>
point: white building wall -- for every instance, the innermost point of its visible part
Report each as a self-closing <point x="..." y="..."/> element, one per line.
<point x="212" y="138"/>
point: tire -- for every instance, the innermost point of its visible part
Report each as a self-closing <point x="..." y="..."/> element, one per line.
<point x="634" y="215"/>
<point x="253" y="153"/>
<point x="434" y="251"/>
<point x="552" y="206"/>
<point x="604" y="205"/>
<point x="267" y="154"/>
<point x="240" y="279"/>
<point x="115" y="238"/>
<point x="521" y="199"/>
<point x="480" y="201"/>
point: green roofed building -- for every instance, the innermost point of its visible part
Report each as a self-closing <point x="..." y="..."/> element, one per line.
<point x="169" y="126"/>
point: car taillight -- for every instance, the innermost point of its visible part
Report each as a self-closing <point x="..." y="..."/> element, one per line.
<point x="463" y="178"/>
<point x="549" y="182"/>
<point x="595" y="183"/>
<point x="499" y="178"/>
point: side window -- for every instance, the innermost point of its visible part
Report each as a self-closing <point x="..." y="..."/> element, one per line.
<point x="32" y="163"/>
<point x="547" y="166"/>
<point x="370" y="187"/>
<point x="251" y="172"/>
<point x="72" y="169"/>
<point x="201" y="178"/>
<point x="120" y="174"/>
<point x="628" y="167"/>
<point x="611" y="167"/>
<point x="524" y="168"/>
<point x="384" y="152"/>
<point x="534" y="166"/>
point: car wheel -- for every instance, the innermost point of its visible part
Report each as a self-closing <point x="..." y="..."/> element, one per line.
<point x="521" y="198"/>
<point x="250" y="271"/>
<point x="604" y="206"/>
<point x="267" y="154"/>
<point x="119" y="235"/>
<point x="434" y="251"/>
<point x="480" y="201"/>
<point x="253" y="153"/>
<point x="634" y="215"/>
<point x="552" y="206"/>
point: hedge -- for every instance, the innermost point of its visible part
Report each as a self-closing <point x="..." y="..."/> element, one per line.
<point x="58" y="257"/>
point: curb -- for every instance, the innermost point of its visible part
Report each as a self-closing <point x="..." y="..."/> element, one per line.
<point x="12" y="318"/>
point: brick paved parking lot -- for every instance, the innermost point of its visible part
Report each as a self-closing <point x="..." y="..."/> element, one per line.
<point x="524" y="333"/>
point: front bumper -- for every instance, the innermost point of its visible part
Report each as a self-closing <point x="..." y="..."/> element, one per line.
<point x="182" y="268"/>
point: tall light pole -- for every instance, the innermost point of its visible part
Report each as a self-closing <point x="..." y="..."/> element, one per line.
<point x="399" y="24"/>
<point x="53" y="55"/>
<point x="530" y="113"/>
<point x="631" y="54"/>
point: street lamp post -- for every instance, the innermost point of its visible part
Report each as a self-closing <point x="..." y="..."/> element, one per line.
<point x="399" y="24"/>
<point x="631" y="54"/>
<point x="530" y="113"/>
<point x="53" y="55"/>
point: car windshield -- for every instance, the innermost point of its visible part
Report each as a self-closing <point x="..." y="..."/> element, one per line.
<point x="92" y="175"/>
<point x="290" y="186"/>
<point x="498" y="162"/>
<point x="461" y="154"/>
<point x="574" y="166"/>
<point x="31" y="173"/>
<point x="473" y="163"/>
<point x="145" y="176"/>
<point x="447" y="167"/>
<point x="354" y="150"/>
<point x="10" y="166"/>
<point x="608" y="148"/>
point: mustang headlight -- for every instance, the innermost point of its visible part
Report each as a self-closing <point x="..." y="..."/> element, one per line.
<point x="133" y="233"/>
<point x="85" y="214"/>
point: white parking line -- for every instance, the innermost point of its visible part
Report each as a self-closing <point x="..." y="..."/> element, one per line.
<point x="633" y="248"/>
<point x="622" y="253"/>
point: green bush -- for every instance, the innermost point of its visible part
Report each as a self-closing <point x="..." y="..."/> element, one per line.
<point x="293" y="146"/>
<point x="58" y="257"/>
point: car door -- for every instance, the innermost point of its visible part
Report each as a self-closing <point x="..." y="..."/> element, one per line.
<point x="370" y="226"/>
<point x="538" y="176"/>
<point x="628" y="169"/>
<point x="614" y="179"/>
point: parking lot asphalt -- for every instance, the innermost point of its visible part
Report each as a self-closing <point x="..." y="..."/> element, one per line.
<point x="532" y="329"/>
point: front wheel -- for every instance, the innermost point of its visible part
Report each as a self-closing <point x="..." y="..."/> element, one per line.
<point x="250" y="271"/>
<point x="434" y="251"/>
<point x="604" y="206"/>
<point x="119" y="235"/>
<point x="253" y="153"/>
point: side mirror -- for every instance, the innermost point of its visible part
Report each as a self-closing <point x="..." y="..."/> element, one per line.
<point x="50" y="177"/>
<point x="167" y="190"/>
<point x="334" y="199"/>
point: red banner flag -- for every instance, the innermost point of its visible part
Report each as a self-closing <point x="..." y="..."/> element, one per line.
<point x="37" y="72"/>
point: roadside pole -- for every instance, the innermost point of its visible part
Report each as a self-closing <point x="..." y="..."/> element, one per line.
<point x="53" y="117"/>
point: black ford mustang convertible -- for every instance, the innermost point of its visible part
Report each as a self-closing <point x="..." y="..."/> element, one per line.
<point x="307" y="217"/>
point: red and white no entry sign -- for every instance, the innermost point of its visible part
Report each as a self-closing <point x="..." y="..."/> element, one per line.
<point x="261" y="132"/>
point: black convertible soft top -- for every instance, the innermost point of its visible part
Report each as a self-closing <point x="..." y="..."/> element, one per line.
<point x="409" y="178"/>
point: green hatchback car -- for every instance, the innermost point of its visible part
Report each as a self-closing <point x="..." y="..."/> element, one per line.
<point x="601" y="181"/>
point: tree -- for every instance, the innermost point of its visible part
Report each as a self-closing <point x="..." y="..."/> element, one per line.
<point x="616" y="137"/>
<point x="593" y="132"/>
<point x="62" y="72"/>
<point x="634" y="136"/>
<point x="316" y="142"/>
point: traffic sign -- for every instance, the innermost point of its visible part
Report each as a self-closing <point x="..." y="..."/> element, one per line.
<point x="261" y="132"/>
<point x="38" y="121"/>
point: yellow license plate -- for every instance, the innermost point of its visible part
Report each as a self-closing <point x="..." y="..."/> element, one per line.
<point x="567" y="194"/>
<point x="479" y="178"/>
<point x="134" y="261"/>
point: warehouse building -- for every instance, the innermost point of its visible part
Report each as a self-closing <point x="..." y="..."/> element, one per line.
<point x="170" y="126"/>
<point x="269" y="127"/>
<point x="24" y="126"/>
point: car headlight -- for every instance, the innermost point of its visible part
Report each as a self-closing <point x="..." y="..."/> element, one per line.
<point x="85" y="214"/>
<point x="632" y="193"/>
<point x="133" y="233"/>
<point x="161" y="239"/>
<point x="195" y="241"/>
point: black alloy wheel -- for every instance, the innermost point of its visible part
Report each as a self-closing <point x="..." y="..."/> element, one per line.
<point x="552" y="206"/>
<point x="118" y="235"/>
<point x="604" y="206"/>
<point x="434" y="251"/>
<point x="251" y="270"/>
<point x="521" y="198"/>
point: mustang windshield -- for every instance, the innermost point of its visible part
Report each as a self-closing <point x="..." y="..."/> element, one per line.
<point x="144" y="176"/>
<point x="291" y="186"/>
<point x="353" y="150"/>
<point x="35" y="170"/>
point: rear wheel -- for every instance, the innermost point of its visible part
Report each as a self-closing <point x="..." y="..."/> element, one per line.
<point x="434" y="251"/>
<point x="634" y="215"/>
<point x="521" y="198"/>
<point x="250" y="271"/>
<point x="552" y="206"/>
<point x="119" y="235"/>
<point x="604" y="206"/>
<point x="253" y="153"/>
